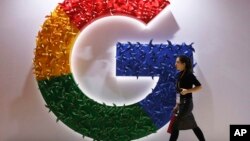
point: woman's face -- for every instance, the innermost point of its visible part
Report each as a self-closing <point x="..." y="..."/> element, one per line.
<point x="179" y="65"/>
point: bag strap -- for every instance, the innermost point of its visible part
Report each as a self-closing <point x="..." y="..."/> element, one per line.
<point x="178" y="83"/>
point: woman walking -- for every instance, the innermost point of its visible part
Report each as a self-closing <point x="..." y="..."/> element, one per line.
<point x="184" y="106"/>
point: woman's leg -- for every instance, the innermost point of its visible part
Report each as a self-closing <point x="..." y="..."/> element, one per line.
<point x="198" y="133"/>
<point x="174" y="135"/>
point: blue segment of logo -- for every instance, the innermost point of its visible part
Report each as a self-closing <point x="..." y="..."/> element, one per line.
<point x="153" y="60"/>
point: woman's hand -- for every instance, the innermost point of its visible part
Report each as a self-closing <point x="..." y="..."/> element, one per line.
<point x="192" y="90"/>
<point x="184" y="91"/>
<point x="176" y="108"/>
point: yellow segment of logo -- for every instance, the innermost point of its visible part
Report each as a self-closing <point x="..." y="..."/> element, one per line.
<point x="53" y="46"/>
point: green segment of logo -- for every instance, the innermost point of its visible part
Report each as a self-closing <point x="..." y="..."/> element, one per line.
<point x="89" y="118"/>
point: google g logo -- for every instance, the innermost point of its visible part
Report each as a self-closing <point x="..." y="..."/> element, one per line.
<point x="81" y="113"/>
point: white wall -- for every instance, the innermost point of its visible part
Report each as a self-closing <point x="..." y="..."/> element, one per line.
<point x="219" y="28"/>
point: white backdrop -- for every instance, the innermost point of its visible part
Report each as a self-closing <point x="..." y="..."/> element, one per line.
<point x="219" y="28"/>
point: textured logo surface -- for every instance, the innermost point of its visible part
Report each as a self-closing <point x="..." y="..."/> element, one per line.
<point x="84" y="115"/>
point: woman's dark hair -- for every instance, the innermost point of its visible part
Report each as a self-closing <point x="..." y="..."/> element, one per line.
<point x="187" y="61"/>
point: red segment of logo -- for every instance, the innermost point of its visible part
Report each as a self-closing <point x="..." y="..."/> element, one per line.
<point x="83" y="12"/>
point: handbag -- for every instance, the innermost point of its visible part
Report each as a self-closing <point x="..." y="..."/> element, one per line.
<point x="170" y="126"/>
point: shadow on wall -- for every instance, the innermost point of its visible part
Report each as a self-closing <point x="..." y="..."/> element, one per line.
<point x="204" y="106"/>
